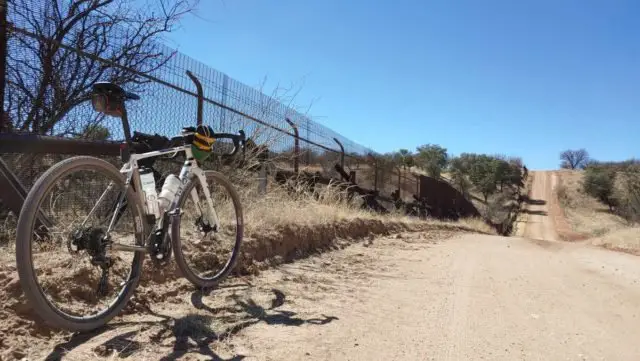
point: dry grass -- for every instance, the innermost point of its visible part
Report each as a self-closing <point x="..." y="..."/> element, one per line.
<point x="280" y="208"/>
<point x="585" y="214"/>
<point x="284" y="226"/>
<point x="264" y="213"/>
<point x="476" y="224"/>
<point x="625" y="240"/>
<point x="8" y="225"/>
<point x="592" y="218"/>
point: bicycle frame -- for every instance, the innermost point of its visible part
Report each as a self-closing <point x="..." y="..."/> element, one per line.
<point x="130" y="168"/>
<point x="189" y="169"/>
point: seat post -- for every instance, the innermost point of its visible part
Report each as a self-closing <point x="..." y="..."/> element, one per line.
<point x="125" y="125"/>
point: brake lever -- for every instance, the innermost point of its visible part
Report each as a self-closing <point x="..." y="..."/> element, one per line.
<point x="239" y="141"/>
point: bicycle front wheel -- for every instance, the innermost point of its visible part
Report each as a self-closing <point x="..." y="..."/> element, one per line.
<point x="206" y="244"/>
<point x="67" y="272"/>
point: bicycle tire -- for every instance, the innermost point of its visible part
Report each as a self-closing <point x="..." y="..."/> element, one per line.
<point x="187" y="272"/>
<point x="26" y="222"/>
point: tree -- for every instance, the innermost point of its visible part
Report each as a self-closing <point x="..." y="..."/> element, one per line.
<point x="459" y="170"/>
<point x="95" y="132"/>
<point x="599" y="183"/>
<point x="46" y="81"/>
<point x="502" y="172"/>
<point x="574" y="159"/>
<point x="508" y="171"/>
<point x="483" y="175"/>
<point x="406" y="158"/>
<point x="432" y="158"/>
<point x="515" y="175"/>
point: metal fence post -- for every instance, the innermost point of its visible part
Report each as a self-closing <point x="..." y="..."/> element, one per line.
<point x="200" y="97"/>
<point x="296" y="145"/>
<point x="341" y="152"/>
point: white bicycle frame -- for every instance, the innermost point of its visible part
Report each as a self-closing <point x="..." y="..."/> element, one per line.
<point x="130" y="168"/>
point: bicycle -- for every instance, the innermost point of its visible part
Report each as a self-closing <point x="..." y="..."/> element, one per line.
<point x="103" y="239"/>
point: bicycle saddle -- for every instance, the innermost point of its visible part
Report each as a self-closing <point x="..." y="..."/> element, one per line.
<point x="112" y="89"/>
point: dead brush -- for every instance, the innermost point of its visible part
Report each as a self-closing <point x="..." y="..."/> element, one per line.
<point x="562" y="193"/>
<point x="296" y="204"/>
<point x="8" y="229"/>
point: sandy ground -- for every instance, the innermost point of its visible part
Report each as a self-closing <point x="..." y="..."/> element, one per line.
<point x="413" y="296"/>
<point x="471" y="298"/>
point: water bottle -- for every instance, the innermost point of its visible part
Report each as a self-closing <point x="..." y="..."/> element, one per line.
<point x="169" y="189"/>
<point x="148" y="184"/>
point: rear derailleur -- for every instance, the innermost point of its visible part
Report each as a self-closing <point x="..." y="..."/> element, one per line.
<point x="94" y="241"/>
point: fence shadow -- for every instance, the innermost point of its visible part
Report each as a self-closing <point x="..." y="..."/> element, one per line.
<point x="535" y="202"/>
<point x="192" y="333"/>
<point x="539" y="213"/>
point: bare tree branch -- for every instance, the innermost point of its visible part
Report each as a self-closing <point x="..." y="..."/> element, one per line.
<point x="45" y="81"/>
<point x="574" y="159"/>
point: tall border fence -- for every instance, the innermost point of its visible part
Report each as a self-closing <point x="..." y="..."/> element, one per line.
<point x="47" y="72"/>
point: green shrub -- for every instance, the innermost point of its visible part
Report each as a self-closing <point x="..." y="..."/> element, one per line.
<point x="629" y="194"/>
<point x="600" y="183"/>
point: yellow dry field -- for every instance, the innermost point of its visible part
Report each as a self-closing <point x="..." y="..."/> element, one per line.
<point x="593" y="219"/>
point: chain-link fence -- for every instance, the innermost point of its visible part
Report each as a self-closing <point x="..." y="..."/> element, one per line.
<point x="55" y="52"/>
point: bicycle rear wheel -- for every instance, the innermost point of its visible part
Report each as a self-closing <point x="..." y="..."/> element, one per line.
<point x="69" y="276"/>
<point x="204" y="253"/>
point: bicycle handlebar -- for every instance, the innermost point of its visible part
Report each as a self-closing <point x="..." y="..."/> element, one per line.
<point x="239" y="141"/>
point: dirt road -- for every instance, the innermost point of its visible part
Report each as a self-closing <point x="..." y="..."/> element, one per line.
<point x="412" y="298"/>
<point x="539" y="224"/>
<point x="417" y="296"/>
<point x="468" y="298"/>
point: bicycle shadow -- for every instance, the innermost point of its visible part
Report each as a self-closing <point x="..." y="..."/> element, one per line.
<point x="249" y="313"/>
<point x="192" y="333"/>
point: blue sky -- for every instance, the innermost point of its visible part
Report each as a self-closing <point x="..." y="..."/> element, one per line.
<point x="522" y="78"/>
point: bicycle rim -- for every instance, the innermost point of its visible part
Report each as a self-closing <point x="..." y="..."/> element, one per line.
<point x="62" y="283"/>
<point x="206" y="258"/>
